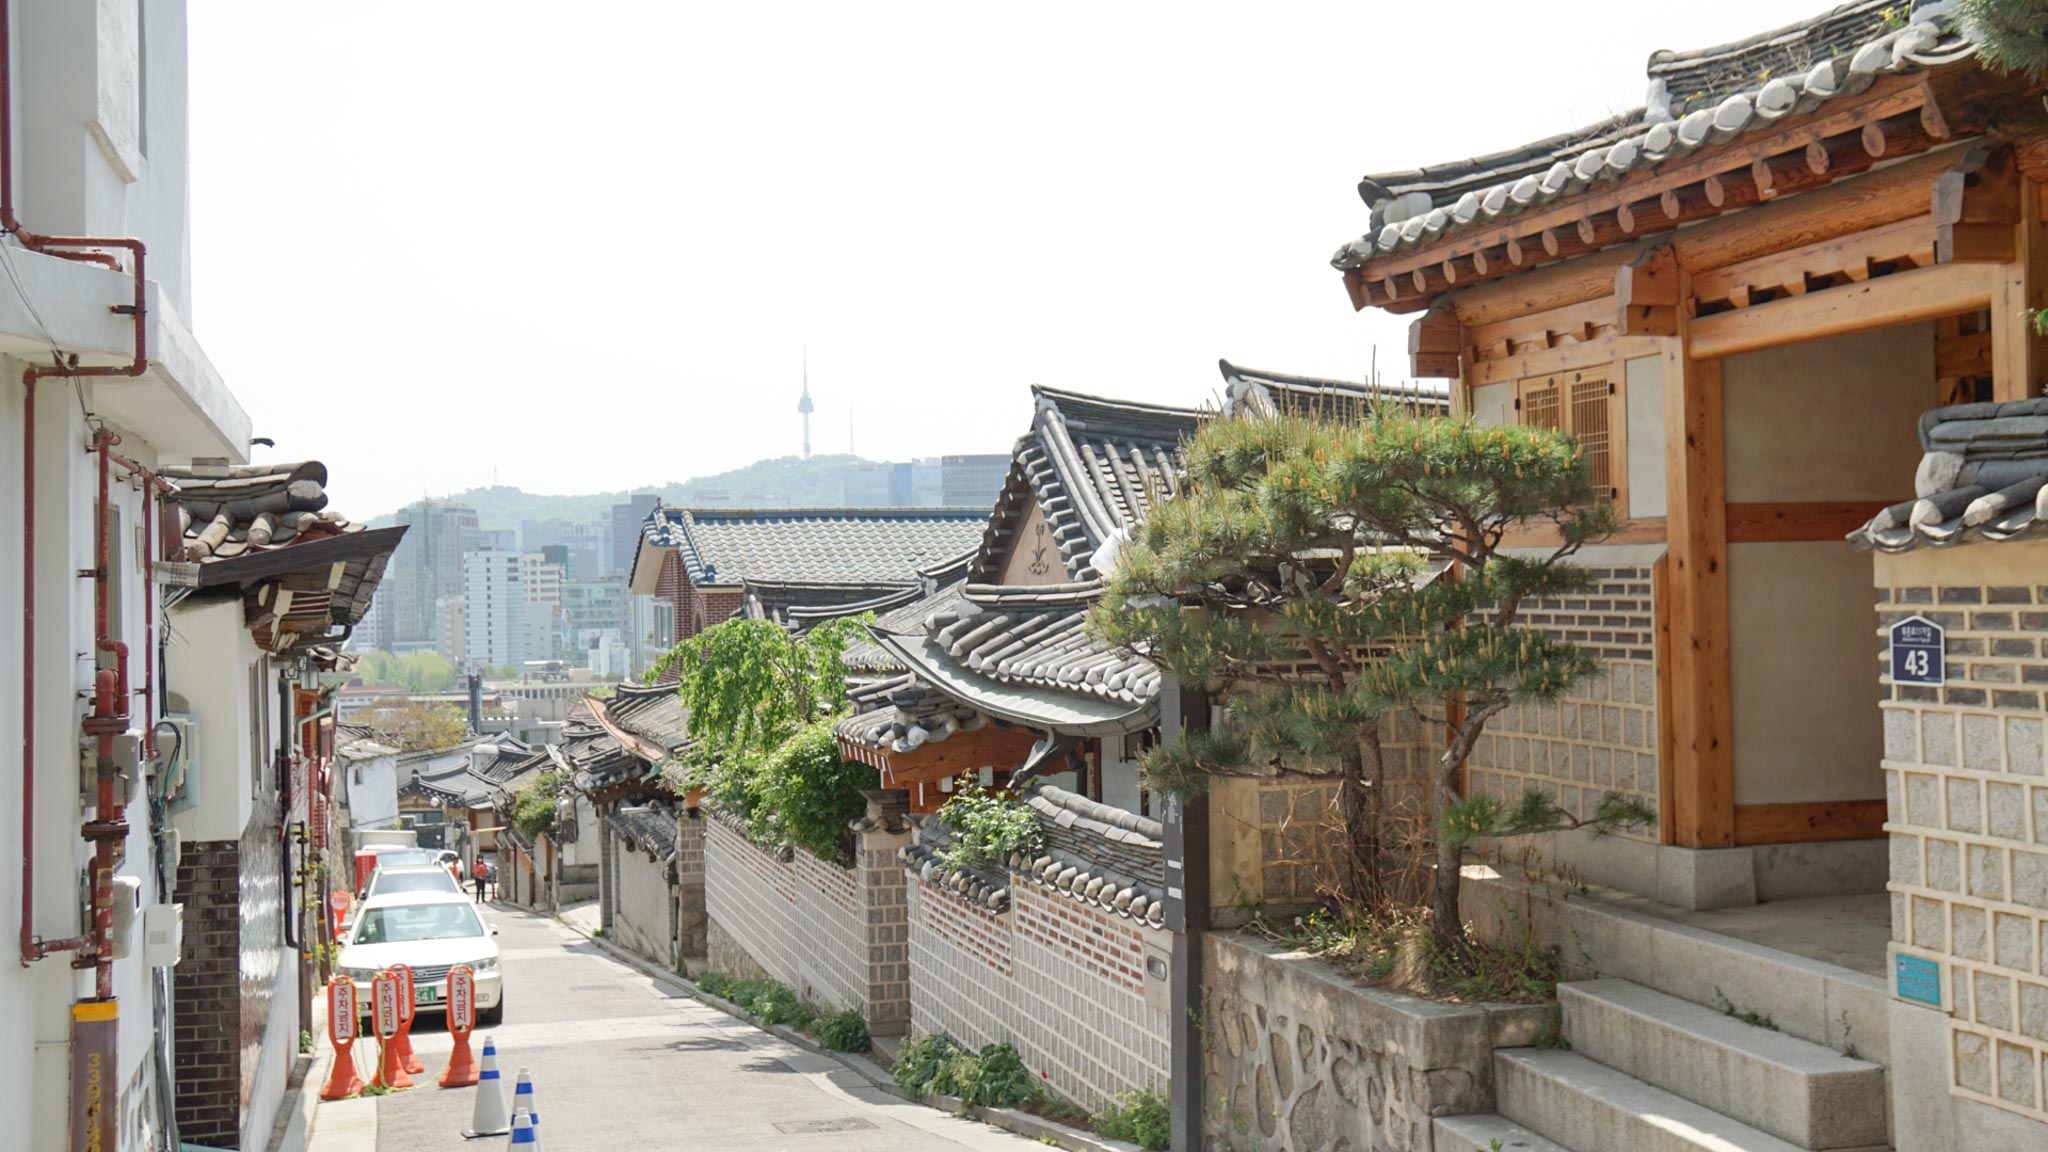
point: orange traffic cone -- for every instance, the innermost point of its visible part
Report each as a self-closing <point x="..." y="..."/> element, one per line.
<point x="403" y="1040"/>
<point x="342" y="1080"/>
<point x="462" y="1070"/>
<point x="391" y="1066"/>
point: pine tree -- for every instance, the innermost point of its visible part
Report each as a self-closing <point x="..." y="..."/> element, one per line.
<point x="2011" y="35"/>
<point x="1326" y="576"/>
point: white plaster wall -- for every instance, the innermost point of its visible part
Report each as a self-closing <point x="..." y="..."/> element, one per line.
<point x="641" y="910"/>
<point x="1803" y="645"/>
<point x="210" y="670"/>
<point x="1643" y="400"/>
<point x="1785" y="438"/>
<point x="372" y="791"/>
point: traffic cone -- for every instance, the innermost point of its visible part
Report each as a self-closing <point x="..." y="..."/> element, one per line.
<point x="490" y="1117"/>
<point x="391" y="1066"/>
<point x="342" y="1079"/>
<point x="403" y="1042"/>
<point x="523" y="1136"/>
<point x="461" y="1071"/>
<point x="522" y="1108"/>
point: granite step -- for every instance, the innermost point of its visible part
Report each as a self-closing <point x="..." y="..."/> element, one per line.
<point x="1576" y="1101"/>
<point x="1488" y="1133"/>
<point x="1814" y="1097"/>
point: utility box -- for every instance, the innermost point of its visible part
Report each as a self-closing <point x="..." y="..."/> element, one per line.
<point x="163" y="935"/>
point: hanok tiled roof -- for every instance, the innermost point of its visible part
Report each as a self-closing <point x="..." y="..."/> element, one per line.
<point x="903" y="714"/>
<point x="727" y="546"/>
<point x="1248" y="391"/>
<point x="802" y="606"/>
<point x="651" y="828"/>
<point x="1095" y="853"/>
<point x="653" y="712"/>
<point x="1983" y="476"/>
<point x="1094" y="466"/>
<point x="246" y="524"/>
<point x="1696" y="100"/>
<point x="940" y="586"/>
<point x="1024" y="655"/>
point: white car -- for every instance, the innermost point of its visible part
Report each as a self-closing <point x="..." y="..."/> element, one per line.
<point x="429" y="932"/>
<point x="390" y="880"/>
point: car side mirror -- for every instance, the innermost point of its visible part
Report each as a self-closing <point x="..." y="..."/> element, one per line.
<point x="494" y="929"/>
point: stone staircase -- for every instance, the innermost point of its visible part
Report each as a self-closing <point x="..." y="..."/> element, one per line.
<point x="1648" y="1070"/>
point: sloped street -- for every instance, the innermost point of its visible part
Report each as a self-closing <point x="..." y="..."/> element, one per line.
<point x="620" y="1062"/>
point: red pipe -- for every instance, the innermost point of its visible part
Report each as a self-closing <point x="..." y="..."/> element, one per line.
<point x="107" y="826"/>
<point x="152" y="486"/>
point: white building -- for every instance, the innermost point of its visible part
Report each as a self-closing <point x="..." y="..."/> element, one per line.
<point x="494" y="590"/>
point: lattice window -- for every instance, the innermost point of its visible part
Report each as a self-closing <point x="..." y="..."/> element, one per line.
<point x="1585" y="405"/>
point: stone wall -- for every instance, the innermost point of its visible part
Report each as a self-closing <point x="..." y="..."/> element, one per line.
<point x="689" y="886"/>
<point x="1600" y="737"/>
<point x="206" y="985"/>
<point x="1298" y="1057"/>
<point x="1967" y="804"/>
<point x="833" y="956"/>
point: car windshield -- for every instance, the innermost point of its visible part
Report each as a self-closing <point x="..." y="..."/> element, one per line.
<point x="402" y="922"/>
<point x="410" y="880"/>
<point x="404" y="857"/>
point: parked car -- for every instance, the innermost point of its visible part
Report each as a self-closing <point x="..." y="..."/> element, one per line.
<point x="429" y="932"/>
<point x="415" y="878"/>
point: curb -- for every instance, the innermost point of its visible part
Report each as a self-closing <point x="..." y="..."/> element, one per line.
<point x="1009" y="1119"/>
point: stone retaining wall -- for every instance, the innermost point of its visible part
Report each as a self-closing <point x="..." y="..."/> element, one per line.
<point x="1298" y="1056"/>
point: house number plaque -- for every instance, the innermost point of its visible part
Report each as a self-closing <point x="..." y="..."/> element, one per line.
<point x="1916" y="647"/>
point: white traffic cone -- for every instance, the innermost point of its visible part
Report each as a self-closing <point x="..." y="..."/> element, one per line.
<point x="523" y="1137"/>
<point x="490" y="1117"/>
<point x="523" y="1107"/>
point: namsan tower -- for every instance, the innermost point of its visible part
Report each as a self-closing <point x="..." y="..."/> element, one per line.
<point x="803" y="405"/>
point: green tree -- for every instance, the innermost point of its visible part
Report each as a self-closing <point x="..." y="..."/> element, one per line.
<point x="807" y="795"/>
<point x="419" y="673"/>
<point x="750" y="685"/>
<point x="533" y="806"/>
<point x="410" y="727"/>
<point x="2011" y="35"/>
<point x="1326" y="574"/>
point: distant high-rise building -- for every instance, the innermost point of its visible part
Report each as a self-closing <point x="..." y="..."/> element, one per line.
<point x="495" y="625"/>
<point x="973" y="481"/>
<point x="625" y="537"/>
<point x="496" y="540"/>
<point x="425" y="570"/>
<point x="868" y="484"/>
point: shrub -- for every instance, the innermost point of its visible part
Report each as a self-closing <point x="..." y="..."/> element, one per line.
<point x="1140" y="1118"/>
<point x="533" y="807"/>
<point x="987" y="827"/>
<point x="925" y="1066"/>
<point x="996" y="1077"/>
<point x="766" y="999"/>
<point x="843" y="1032"/>
<point x="813" y="794"/>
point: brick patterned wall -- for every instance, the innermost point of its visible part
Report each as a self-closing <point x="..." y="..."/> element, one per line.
<point x="1065" y="983"/>
<point x="689" y="891"/>
<point x="750" y="898"/>
<point x="833" y="960"/>
<point x="206" y="987"/>
<point x="1966" y="786"/>
<point x="1602" y="736"/>
<point x="886" y="912"/>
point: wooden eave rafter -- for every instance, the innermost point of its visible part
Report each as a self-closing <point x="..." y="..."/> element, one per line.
<point x="944" y="759"/>
<point x="1897" y="117"/>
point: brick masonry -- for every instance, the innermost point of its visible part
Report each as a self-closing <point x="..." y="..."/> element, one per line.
<point x="1081" y="993"/>
<point x="835" y="935"/>
<point x="1602" y="736"/>
<point x="206" y="985"/>
<point x="1966" y="785"/>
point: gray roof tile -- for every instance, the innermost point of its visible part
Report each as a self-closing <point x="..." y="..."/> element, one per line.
<point x="813" y="545"/>
<point x="1983" y="476"/>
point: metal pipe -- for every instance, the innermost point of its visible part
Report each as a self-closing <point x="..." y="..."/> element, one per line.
<point x="33" y="949"/>
<point x="108" y="720"/>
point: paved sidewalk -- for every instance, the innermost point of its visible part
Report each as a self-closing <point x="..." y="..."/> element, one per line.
<point x="621" y="1062"/>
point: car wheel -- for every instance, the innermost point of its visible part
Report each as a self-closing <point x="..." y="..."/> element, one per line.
<point x="493" y="1016"/>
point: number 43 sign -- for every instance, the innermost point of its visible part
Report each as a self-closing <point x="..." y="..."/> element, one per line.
<point x="1916" y="647"/>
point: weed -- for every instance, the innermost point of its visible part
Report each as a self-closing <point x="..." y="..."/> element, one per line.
<point x="1552" y="1036"/>
<point x="1397" y="946"/>
<point x="1753" y="1019"/>
<point x="1848" y="1045"/>
<point x="305" y="1041"/>
<point x="1141" y="1118"/>
<point x="843" y="1031"/>
<point x="995" y="1077"/>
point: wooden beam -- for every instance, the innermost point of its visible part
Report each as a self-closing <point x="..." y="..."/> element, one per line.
<point x="1647" y="531"/>
<point x="1883" y="197"/>
<point x="1001" y="748"/>
<point x="1667" y="758"/>
<point x="1542" y="289"/>
<point x="1959" y="353"/>
<point x="2018" y="357"/>
<point x="1803" y="823"/>
<point x="1901" y="298"/>
<point x="1646" y="294"/>
<point x="1601" y="349"/>
<point x="1784" y="523"/>
<point x="1434" y="341"/>
<point x="1553" y="327"/>
<point x="1794" y="271"/>
<point x="1701" y="714"/>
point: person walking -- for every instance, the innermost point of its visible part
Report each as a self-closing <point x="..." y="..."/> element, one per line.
<point x="482" y="872"/>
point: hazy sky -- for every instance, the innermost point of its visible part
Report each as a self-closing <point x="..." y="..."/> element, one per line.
<point x="582" y="247"/>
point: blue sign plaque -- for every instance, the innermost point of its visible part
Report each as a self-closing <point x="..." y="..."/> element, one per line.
<point x="1916" y="647"/>
<point x="1919" y="979"/>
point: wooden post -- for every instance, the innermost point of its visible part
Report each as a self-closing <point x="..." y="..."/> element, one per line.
<point x="2017" y="355"/>
<point x="1702" y="774"/>
<point x="1184" y="711"/>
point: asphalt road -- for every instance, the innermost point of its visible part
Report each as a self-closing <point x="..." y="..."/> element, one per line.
<point x="620" y="1063"/>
